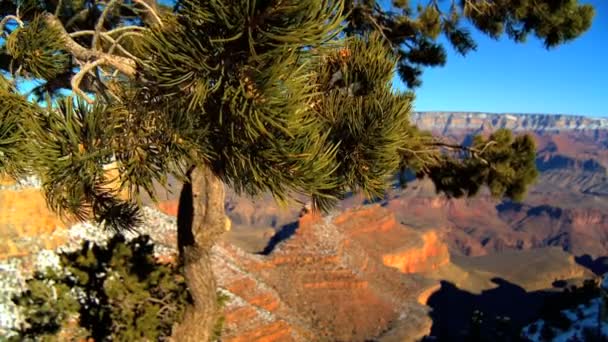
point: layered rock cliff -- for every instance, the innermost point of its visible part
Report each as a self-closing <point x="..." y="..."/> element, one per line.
<point x="453" y="121"/>
<point x="566" y="207"/>
<point x="333" y="282"/>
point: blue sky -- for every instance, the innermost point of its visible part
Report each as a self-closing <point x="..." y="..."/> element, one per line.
<point x="502" y="76"/>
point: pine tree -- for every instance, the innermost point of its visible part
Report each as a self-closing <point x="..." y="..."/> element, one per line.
<point x="280" y="96"/>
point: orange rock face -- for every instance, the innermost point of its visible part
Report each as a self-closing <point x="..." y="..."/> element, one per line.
<point x="168" y="207"/>
<point x="26" y="211"/>
<point x="24" y="215"/>
<point x="423" y="298"/>
<point x="329" y="281"/>
<point x="400" y="247"/>
<point x="26" y="223"/>
<point x="272" y="332"/>
<point x="432" y="254"/>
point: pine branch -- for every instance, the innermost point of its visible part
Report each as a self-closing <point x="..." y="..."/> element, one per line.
<point x="125" y="65"/>
<point x="462" y="147"/>
<point x="473" y="151"/>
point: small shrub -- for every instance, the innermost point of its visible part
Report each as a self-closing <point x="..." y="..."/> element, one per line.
<point x="547" y="333"/>
<point x="533" y="328"/>
<point x="591" y="334"/>
<point x="114" y="292"/>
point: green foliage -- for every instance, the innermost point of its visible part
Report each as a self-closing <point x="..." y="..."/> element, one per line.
<point x="555" y="22"/>
<point x="503" y="163"/>
<point x="118" y="291"/>
<point x="73" y="144"/>
<point x="38" y="49"/>
<point x="13" y="108"/>
<point x="365" y="119"/>
<point x="47" y="306"/>
<point x="414" y="32"/>
<point x="242" y="80"/>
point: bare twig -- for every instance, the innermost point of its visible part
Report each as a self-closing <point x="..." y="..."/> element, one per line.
<point x="379" y="28"/>
<point x="100" y="21"/>
<point x="6" y="19"/>
<point x="151" y="10"/>
<point x="117" y="42"/>
<point x="162" y="301"/>
<point x="416" y="154"/>
<point x="106" y="36"/>
<point x="79" y="15"/>
<point x="464" y="148"/>
<point x="129" y="29"/>
<point x="125" y="65"/>
<point x="456" y="147"/>
<point x="490" y="143"/>
<point x="81" y="33"/>
<point x="58" y="8"/>
<point x="126" y="28"/>
<point x="78" y="78"/>
<point x="476" y="153"/>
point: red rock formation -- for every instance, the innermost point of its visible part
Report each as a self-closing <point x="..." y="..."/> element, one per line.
<point x="328" y="281"/>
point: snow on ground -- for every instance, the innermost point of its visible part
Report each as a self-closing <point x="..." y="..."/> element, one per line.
<point x="584" y="317"/>
<point x="14" y="271"/>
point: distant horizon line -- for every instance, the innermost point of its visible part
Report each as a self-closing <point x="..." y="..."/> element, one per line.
<point x="594" y="117"/>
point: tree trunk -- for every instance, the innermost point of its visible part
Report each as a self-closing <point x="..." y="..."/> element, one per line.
<point x="201" y="220"/>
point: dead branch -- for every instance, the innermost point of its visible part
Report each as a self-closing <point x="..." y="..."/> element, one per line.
<point x="78" y="78"/>
<point x="125" y="65"/>
<point x="106" y="36"/>
<point x="150" y="10"/>
<point x="99" y="25"/>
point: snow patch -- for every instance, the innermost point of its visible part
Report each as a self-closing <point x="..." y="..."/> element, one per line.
<point x="584" y="318"/>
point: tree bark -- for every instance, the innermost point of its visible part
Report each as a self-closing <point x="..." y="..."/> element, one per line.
<point x="201" y="221"/>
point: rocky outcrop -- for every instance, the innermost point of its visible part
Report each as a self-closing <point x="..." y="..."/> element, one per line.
<point x="328" y="281"/>
<point x="484" y="225"/>
<point x="432" y="254"/>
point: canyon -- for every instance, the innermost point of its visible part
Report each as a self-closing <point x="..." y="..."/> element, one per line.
<point x="568" y="205"/>
<point x="375" y="271"/>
